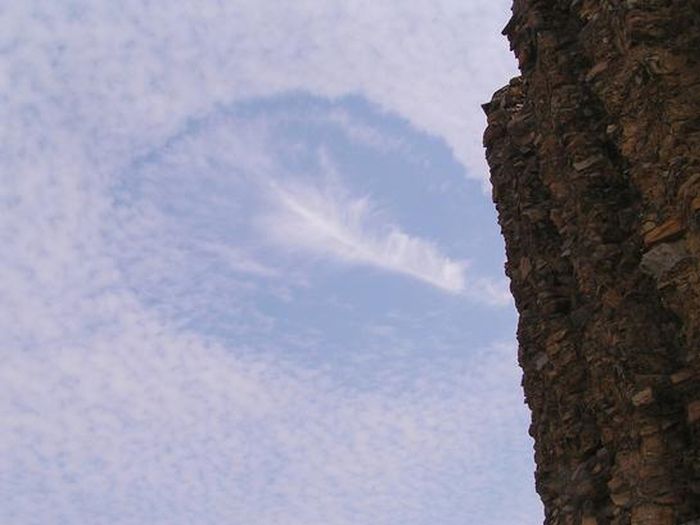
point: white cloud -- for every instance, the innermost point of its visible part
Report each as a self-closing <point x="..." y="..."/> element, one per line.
<point x="238" y="260"/>
<point x="112" y="415"/>
<point x="138" y="71"/>
<point x="329" y="222"/>
<point x="146" y="427"/>
<point x="197" y="196"/>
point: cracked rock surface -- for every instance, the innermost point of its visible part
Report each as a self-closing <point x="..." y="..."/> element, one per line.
<point x="595" y="164"/>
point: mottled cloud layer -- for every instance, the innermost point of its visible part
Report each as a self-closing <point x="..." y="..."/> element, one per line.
<point x="133" y="70"/>
<point x="220" y="305"/>
<point x="146" y="428"/>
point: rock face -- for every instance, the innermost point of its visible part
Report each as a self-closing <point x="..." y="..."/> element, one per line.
<point x="595" y="164"/>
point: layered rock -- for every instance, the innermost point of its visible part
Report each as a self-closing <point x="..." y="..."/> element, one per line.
<point x="595" y="164"/>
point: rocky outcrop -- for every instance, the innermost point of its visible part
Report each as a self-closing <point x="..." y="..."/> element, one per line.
<point x="595" y="164"/>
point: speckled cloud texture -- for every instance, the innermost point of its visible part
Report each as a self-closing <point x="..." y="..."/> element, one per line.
<point x="248" y="272"/>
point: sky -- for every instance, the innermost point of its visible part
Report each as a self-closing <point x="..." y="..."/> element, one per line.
<point x="251" y="272"/>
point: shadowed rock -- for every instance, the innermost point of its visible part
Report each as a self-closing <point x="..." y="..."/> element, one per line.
<point x="595" y="161"/>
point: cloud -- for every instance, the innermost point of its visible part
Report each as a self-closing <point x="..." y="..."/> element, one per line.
<point x="199" y="193"/>
<point x="132" y="75"/>
<point x="117" y="210"/>
<point x="331" y="223"/>
<point x="147" y="427"/>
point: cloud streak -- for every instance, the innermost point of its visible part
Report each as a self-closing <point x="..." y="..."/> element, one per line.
<point x="331" y="223"/>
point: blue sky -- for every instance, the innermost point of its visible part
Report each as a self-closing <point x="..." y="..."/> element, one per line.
<point x="251" y="271"/>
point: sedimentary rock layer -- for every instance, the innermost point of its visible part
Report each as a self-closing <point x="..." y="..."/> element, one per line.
<point x="595" y="163"/>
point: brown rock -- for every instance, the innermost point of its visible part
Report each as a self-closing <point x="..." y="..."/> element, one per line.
<point x="663" y="258"/>
<point x="650" y="514"/>
<point x="695" y="204"/>
<point x="682" y="376"/>
<point x="594" y="154"/>
<point x="653" y="447"/>
<point x="694" y="412"/>
<point x="668" y="230"/>
<point x="643" y="397"/>
<point x="621" y="499"/>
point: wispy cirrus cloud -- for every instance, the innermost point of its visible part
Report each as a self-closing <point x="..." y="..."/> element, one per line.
<point x="205" y="189"/>
<point x="326" y="220"/>
<point x="329" y="222"/>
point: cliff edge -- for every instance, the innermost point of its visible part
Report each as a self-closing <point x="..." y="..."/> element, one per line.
<point x="595" y="164"/>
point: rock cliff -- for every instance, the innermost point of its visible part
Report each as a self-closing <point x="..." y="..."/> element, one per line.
<point x="595" y="164"/>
